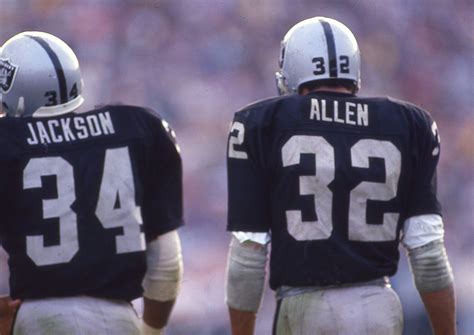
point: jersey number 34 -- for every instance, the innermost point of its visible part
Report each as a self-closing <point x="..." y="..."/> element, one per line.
<point x="117" y="181"/>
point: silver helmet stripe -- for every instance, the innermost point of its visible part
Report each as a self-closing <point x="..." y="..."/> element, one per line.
<point x="331" y="48"/>
<point x="57" y="67"/>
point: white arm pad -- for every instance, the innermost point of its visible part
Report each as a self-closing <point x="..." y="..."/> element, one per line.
<point x="245" y="275"/>
<point x="164" y="267"/>
<point x="430" y="267"/>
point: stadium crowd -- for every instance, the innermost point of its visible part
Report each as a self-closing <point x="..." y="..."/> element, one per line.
<point x="197" y="62"/>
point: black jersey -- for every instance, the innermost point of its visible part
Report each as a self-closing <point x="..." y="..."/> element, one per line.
<point x="332" y="177"/>
<point x="80" y="196"/>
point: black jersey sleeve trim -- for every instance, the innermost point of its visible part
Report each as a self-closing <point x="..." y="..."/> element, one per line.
<point x="57" y="67"/>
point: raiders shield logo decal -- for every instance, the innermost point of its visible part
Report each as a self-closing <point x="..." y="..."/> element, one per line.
<point x="7" y="75"/>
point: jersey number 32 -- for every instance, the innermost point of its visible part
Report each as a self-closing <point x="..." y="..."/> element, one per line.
<point x="318" y="186"/>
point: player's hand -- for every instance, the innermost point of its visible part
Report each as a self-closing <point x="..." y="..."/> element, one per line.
<point x="8" y="308"/>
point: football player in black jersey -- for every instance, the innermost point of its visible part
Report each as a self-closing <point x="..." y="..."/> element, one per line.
<point x="90" y="202"/>
<point x="335" y="182"/>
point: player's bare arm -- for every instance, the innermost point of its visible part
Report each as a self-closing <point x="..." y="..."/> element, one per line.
<point x="155" y="316"/>
<point x="8" y="308"/>
<point x="441" y="308"/>
<point x="242" y="322"/>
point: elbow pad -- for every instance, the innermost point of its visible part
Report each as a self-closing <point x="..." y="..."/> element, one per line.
<point x="245" y="276"/>
<point x="430" y="267"/>
<point x="164" y="267"/>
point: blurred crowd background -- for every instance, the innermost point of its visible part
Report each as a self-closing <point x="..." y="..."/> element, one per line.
<point x="198" y="61"/>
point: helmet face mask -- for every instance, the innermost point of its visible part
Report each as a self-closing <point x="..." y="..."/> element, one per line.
<point x="39" y="75"/>
<point x="317" y="49"/>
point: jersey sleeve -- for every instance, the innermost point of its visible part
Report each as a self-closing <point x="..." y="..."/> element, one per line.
<point x="426" y="149"/>
<point x="163" y="198"/>
<point x="248" y="199"/>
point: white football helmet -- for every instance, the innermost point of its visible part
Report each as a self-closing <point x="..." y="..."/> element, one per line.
<point x="39" y="75"/>
<point x="318" y="49"/>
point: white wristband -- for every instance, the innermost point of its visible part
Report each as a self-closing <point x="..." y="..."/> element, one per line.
<point x="147" y="330"/>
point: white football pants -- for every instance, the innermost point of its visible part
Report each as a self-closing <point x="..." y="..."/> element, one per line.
<point x="76" y="316"/>
<point x="361" y="310"/>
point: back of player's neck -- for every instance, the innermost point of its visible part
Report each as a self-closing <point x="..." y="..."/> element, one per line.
<point x="327" y="89"/>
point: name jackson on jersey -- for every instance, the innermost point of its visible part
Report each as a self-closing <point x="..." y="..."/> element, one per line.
<point x="69" y="128"/>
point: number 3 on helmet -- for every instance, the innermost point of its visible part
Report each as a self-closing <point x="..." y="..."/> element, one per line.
<point x="39" y="74"/>
<point x="317" y="50"/>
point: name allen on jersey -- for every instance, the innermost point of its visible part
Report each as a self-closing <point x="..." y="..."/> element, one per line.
<point x="356" y="114"/>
